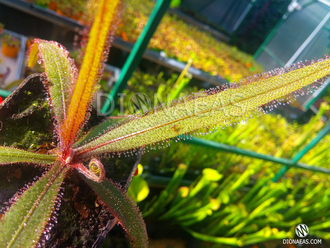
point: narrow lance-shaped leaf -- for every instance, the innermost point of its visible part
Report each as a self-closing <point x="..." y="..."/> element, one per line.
<point x="90" y="70"/>
<point x="124" y="209"/>
<point x="25" y="221"/>
<point x="10" y="155"/>
<point x="60" y="72"/>
<point x="213" y="107"/>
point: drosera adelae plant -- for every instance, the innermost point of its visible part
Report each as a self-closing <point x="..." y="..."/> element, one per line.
<point x="70" y="94"/>
<point x="31" y="212"/>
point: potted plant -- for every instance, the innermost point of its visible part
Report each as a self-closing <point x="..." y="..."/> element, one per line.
<point x="71" y="177"/>
<point x="10" y="45"/>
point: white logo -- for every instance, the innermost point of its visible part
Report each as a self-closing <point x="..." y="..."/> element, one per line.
<point x="302" y="230"/>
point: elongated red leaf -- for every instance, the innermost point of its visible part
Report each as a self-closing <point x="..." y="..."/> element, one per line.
<point x="90" y="70"/>
<point x="124" y="209"/>
<point x="25" y="221"/>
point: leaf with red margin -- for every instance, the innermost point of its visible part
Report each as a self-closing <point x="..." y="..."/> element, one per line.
<point x="207" y="110"/>
<point x="60" y="71"/>
<point x="10" y="155"/>
<point x="24" y="222"/>
<point x="90" y="70"/>
<point x="123" y="208"/>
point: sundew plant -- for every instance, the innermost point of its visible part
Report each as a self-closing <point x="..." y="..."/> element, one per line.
<point x="25" y="221"/>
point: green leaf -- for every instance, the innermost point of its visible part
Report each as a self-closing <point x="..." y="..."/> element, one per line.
<point x="210" y="108"/>
<point x="123" y="208"/>
<point x="138" y="189"/>
<point x="24" y="222"/>
<point x="320" y="234"/>
<point x="60" y="72"/>
<point x="181" y="82"/>
<point x="96" y="131"/>
<point x="175" y="3"/>
<point x="12" y="155"/>
<point x="168" y="194"/>
<point x="211" y="174"/>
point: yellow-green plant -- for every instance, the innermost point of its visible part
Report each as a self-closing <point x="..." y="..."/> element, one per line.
<point x="70" y="94"/>
<point x="180" y="40"/>
<point x="226" y="213"/>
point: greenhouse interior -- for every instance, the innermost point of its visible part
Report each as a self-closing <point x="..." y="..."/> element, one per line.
<point x="165" y="123"/>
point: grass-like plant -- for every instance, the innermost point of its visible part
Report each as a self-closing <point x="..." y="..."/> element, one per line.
<point x="228" y="214"/>
<point x="26" y="219"/>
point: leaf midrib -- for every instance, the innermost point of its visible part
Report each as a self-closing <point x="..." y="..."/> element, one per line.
<point x="80" y="150"/>
<point x="34" y="206"/>
<point x="61" y="85"/>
